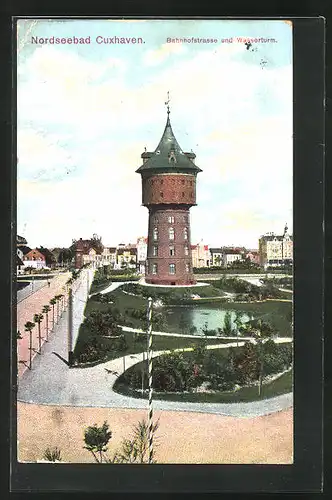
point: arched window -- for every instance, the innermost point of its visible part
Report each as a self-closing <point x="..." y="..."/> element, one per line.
<point x="186" y="250"/>
<point x="171" y="233"/>
<point x="185" y="233"/>
<point x="154" y="268"/>
<point x="187" y="267"/>
<point x="155" y="233"/>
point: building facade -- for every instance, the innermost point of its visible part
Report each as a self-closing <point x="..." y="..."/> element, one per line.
<point x="200" y="254"/>
<point x="276" y="250"/>
<point x="34" y="259"/>
<point x="142" y="252"/>
<point x="168" y="191"/>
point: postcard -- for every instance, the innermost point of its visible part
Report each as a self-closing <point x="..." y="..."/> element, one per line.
<point x="154" y="241"/>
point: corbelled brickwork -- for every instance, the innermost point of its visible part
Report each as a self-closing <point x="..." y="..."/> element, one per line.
<point x="169" y="188"/>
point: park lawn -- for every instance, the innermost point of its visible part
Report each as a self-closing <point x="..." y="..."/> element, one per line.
<point x="276" y="312"/>
<point x="281" y="385"/>
<point x="160" y="343"/>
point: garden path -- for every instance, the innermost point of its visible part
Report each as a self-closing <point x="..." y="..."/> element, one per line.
<point x="52" y="382"/>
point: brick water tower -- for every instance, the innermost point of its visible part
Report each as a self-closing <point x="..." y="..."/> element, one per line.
<point x="168" y="191"/>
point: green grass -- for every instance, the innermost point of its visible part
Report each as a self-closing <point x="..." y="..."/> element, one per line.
<point x="276" y="312"/>
<point x="160" y="343"/>
<point x="281" y="385"/>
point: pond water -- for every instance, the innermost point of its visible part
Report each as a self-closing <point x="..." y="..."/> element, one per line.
<point x="201" y="317"/>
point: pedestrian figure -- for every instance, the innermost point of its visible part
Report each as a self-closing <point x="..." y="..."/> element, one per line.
<point x="48" y="283"/>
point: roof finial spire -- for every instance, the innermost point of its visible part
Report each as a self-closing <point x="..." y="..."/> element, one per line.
<point x="167" y="103"/>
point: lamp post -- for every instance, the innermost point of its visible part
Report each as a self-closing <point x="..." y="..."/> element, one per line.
<point x="70" y="327"/>
<point x="149" y="355"/>
<point x="260" y="358"/>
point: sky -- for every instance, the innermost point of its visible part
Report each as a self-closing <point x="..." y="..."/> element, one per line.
<point x="85" y="113"/>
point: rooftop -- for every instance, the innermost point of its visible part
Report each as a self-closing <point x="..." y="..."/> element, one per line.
<point x="168" y="156"/>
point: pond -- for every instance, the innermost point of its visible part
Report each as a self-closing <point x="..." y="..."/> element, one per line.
<point x="201" y="317"/>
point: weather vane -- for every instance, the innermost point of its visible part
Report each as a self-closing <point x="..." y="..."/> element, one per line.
<point x="167" y="103"/>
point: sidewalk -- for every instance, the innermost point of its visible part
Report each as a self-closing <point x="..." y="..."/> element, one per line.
<point x="33" y="304"/>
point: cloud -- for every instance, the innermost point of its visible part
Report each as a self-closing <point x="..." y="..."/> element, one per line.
<point x="97" y="116"/>
<point x="158" y="56"/>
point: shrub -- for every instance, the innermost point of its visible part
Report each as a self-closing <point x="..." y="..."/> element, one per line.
<point x="96" y="440"/>
<point x="52" y="454"/>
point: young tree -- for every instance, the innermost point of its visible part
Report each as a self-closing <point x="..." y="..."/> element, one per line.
<point x="238" y="322"/>
<point x="46" y="309"/>
<point x="228" y="326"/>
<point x="136" y="449"/>
<point x="58" y="299"/>
<point x="29" y="326"/>
<point x="37" y="319"/>
<point x="205" y="330"/>
<point x="53" y="302"/>
<point x="96" y="440"/>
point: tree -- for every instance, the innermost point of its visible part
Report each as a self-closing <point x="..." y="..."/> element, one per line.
<point x="96" y="243"/>
<point x="247" y="363"/>
<point x="205" y="330"/>
<point x="46" y="309"/>
<point x="96" y="440"/>
<point x="58" y="299"/>
<point x="37" y="319"/>
<point x="53" y="302"/>
<point x="228" y="326"/>
<point x="183" y="324"/>
<point x="29" y="326"/>
<point x="238" y="322"/>
<point x="103" y="323"/>
<point x="136" y="449"/>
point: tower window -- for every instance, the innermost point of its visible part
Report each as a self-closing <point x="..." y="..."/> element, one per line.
<point x="185" y="233"/>
<point x="161" y="194"/>
<point x="172" y="269"/>
<point x="161" y="181"/>
<point x="155" y="251"/>
<point x="182" y="181"/>
<point x="186" y="250"/>
<point x="171" y="250"/>
<point x="182" y="194"/>
<point x="171" y="233"/>
<point x="155" y="233"/>
<point x="187" y="267"/>
<point x="154" y="268"/>
<point x="171" y="220"/>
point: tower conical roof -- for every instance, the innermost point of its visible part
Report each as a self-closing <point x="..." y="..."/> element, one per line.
<point x="168" y="155"/>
